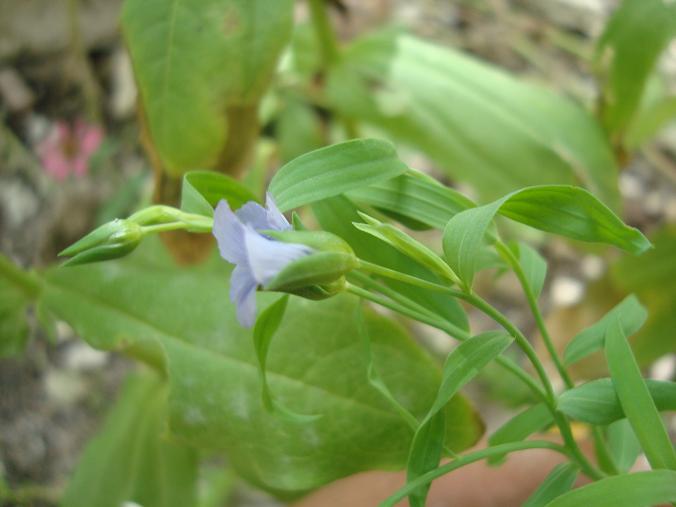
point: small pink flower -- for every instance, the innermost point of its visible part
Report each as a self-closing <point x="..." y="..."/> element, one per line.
<point x="68" y="148"/>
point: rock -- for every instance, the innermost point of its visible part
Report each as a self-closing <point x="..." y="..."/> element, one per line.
<point x="37" y="27"/>
<point x="14" y="92"/>
<point x="122" y="104"/>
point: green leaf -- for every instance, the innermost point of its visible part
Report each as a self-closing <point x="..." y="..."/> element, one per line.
<point x="266" y="326"/>
<point x="641" y="489"/>
<point x="426" y="451"/>
<point x="416" y="196"/>
<point x="334" y="170"/>
<point x="533" y="265"/>
<point x="202" y="190"/>
<point x="626" y="66"/>
<point x="533" y="419"/>
<point x="623" y="445"/>
<point x="130" y="459"/>
<point x="478" y="123"/>
<point x="596" y="402"/>
<point x="559" y="481"/>
<point x="337" y="215"/>
<point x="461" y="366"/>
<point x="560" y="209"/>
<point x="405" y="244"/>
<point x="182" y="320"/>
<point x="199" y="109"/>
<point x="631" y="315"/>
<point x="636" y="400"/>
<point x="298" y="128"/>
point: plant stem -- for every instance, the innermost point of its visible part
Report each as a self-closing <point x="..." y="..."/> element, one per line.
<point x="518" y="336"/>
<point x="326" y="37"/>
<point x="27" y="282"/>
<point x="369" y="267"/>
<point x="428" y="317"/>
<point x="475" y="300"/>
<point x="467" y="459"/>
<point x="535" y="310"/>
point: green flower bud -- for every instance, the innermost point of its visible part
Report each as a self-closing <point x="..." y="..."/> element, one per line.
<point x="320" y="274"/>
<point x="110" y="241"/>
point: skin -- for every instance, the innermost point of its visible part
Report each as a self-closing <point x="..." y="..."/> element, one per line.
<point x="476" y="485"/>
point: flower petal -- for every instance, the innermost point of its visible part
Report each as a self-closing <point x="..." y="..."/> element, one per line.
<point x="275" y="220"/>
<point x="266" y="257"/>
<point x="243" y="294"/>
<point x="254" y="215"/>
<point x="229" y="233"/>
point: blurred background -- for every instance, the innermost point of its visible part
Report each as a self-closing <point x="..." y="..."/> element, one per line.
<point x="71" y="158"/>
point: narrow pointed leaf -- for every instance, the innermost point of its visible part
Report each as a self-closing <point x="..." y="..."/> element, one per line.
<point x="623" y="445"/>
<point x="641" y="489"/>
<point x="631" y="315"/>
<point x="524" y="424"/>
<point x="559" y="481"/>
<point x="334" y="170"/>
<point x="636" y="401"/>
<point x="596" y="402"/>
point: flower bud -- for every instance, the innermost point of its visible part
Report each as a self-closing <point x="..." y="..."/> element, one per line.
<point x="110" y="241"/>
<point x="320" y="274"/>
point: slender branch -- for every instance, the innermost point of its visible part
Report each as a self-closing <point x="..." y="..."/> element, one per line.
<point x="369" y="267"/>
<point x="428" y="317"/>
<point x="535" y="310"/>
<point x="467" y="459"/>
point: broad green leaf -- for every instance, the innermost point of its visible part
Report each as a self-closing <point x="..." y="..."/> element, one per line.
<point x="182" y="320"/>
<point x="478" y="123"/>
<point x="642" y="489"/>
<point x="631" y="315"/>
<point x="636" y="400"/>
<point x="405" y="244"/>
<point x="560" y="209"/>
<point x="416" y="196"/>
<point x="337" y="215"/>
<point x="130" y="459"/>
<point x="650" y="121"/>
<point x="264" y="331"/>
<point x="199" y="110"/>
<point x="461" y="366"/>
<point x="202" y="190"/>
<point x="533" y="265"/>
<point x="533" y="419"/>
<point x="626" y="65"/>
<point x="596" y="402"/>
<point x="623" y="445"/>
<point x="334" y="170"/>
<point x="372" y="374"/>
<point x="559" y="481"/>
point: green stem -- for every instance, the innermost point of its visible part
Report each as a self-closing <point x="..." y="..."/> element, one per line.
<point x="369" y="267"/>
<point x="27" y="282"/>
<point x="549" y="396"/>
<point x="326" y="37"/>
<point x="428" y="317"/>
<point x="468" y="459"/>
<point x="518" y="336"/>
<point x="90" y="89"/>
<point x="535" y="310"/>
<point x="603" y="457"/>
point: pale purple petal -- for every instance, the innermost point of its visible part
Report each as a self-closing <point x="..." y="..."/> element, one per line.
<point x="266" y="258"/>
<point x="254" y="215"/>
<point x="275" y="220"/>
<point x="229" y="233"/>
<point x="243" y="294"/>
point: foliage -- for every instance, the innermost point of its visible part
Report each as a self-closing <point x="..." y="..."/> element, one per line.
<point x="323" y="386"/>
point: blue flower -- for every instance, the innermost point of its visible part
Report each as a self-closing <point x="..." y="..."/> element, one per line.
<point x="257" y="258"/>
